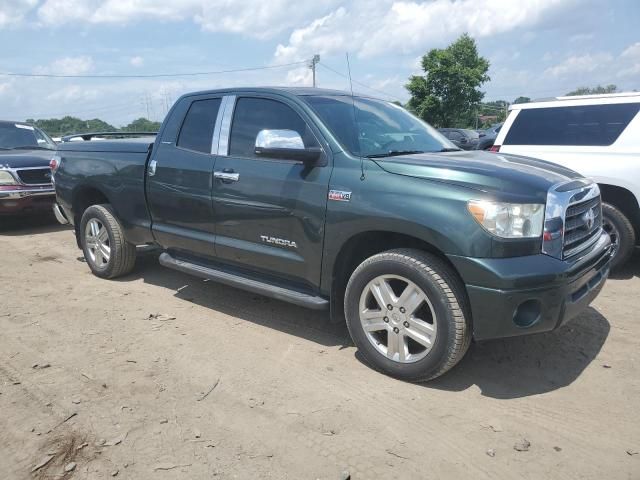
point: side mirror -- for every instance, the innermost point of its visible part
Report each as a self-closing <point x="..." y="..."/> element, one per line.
<point x="285" y="144"/>
<point x="463" y="140"/>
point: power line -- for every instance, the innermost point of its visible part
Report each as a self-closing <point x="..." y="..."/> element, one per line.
<point x="153" y="75"/>
<point x="322" y="64"/>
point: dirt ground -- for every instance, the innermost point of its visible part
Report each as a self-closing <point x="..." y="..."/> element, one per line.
<point x="161" y="375"/>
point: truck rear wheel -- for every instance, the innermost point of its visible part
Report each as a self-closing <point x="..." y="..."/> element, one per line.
<point x="407" y="313"/>
<point x="623" y="236"/>
<point x="105" y="249"/>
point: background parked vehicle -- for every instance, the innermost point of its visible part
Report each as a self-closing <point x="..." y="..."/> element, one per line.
<point x="461" y="137"/>
<point x="25" y="176"/>
<point x="488" y="137"/>
<point x="286" y="193"/>
<point x="596" y="135"/>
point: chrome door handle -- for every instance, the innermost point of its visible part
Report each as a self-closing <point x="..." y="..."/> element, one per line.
<point x="227" y="176"/>
<point x="152" y="168"/>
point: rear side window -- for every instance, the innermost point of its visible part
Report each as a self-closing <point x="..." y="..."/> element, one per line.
<point x="197" y="129"/>
<point x="254" y="114"/>
<point x="591" y="125"/>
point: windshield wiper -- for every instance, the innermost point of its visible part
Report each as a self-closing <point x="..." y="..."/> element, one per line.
<point x="394" y="153"/>
<point x="449" y="149"/>
<point x="30" y="147"/>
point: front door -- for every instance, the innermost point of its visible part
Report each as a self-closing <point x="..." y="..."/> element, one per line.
<point x="179" y="181"/>
<point x="269" y="212"/>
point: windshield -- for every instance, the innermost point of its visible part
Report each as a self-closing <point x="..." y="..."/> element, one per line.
<point x="21" y="136"/>
<point x="382" y="128"/>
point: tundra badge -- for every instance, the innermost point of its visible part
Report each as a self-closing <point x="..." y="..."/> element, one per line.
<point x="278" y="241"/>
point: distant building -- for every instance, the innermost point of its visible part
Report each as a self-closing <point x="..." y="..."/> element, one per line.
<point x="488" y="118"/>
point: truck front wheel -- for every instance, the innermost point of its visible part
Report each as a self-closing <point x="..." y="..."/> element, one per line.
<point x="407" y="312"/>
<point x="621" y="232"/>
<point x="105" y="249"/>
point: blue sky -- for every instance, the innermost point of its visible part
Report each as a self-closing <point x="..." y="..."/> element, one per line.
<point x="536" y="48"/>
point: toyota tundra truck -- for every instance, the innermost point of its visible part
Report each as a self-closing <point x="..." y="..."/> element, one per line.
<point x="347" y="203"/>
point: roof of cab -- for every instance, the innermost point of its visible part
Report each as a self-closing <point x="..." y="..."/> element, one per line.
<point x="574" y="100"/>
<point x="9" y="122"/>
<point x="294" y="91"/>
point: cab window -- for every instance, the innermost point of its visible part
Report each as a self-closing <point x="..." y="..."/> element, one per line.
<point x="197" y="129"/>
<point x="251" y="115"/>
<point x="589" y="125"/>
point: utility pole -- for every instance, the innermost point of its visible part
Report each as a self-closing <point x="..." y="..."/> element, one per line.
<point x="312" y="66"/>
<point x="145" y="104"/>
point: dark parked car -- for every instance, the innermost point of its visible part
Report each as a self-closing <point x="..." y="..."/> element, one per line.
<point x="25" y="176"/>
<point x="461" y="137"/>
<point x="345" y="203"/>
<point x="488" y="136"/>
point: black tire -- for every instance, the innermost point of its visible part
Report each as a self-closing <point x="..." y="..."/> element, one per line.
<point x="447" y="296"/>
<point x="623" y="236"/>
<point x="122" y="256"/>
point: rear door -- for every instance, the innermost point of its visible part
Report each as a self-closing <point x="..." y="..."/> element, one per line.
<point x="179" y="179"/>
<point x="270" y="212"/>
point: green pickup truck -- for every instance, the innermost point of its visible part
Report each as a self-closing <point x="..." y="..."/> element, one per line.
<point x="345" y="203"/>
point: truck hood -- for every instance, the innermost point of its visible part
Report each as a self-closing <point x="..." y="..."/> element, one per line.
<point x="487" y="172"/>
<point x="25" y="158"/>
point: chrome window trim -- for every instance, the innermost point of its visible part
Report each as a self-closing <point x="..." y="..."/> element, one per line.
<point x="224" y="129"/>
<point x="215" y="139"/>
<point x="555" y="215"/>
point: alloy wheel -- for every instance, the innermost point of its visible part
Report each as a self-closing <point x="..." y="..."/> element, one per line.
<point x="614" y="235"/>
<point x="398" y="318"/>
<point x="97" y="243"/>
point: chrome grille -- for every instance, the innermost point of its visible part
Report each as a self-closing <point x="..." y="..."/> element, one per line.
<point x="572" y="218"/>
<point x="35" y="176"/>
<point x="583" y="222"/>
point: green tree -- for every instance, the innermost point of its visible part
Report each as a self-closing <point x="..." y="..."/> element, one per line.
<point x="448" y="94"/>
<point x="56" y="127"/>
<point x="611" y="88"/>
<point x="490" y="113"/>
<point x="142" y="125"/>
<point x="522" y="100"/>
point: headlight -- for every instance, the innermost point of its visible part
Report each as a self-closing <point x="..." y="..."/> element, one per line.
<point x="6" y="178"/>
<point x="509" y="220"/>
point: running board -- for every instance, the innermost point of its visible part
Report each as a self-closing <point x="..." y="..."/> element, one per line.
<point x="244" y="283"/>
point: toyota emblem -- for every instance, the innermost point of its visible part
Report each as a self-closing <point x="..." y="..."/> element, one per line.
<point x="589" y="218"/>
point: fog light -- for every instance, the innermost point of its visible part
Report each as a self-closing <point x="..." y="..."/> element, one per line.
<point x="528" y="313"/>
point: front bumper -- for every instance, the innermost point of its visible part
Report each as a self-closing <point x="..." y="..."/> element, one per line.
<point x="533" y="294"/>
<point x="26" y="200"/>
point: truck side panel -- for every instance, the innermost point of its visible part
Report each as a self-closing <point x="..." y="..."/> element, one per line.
<point x="115" y="176"/>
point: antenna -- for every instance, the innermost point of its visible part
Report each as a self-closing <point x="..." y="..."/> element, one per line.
<point x="355" y="118"/>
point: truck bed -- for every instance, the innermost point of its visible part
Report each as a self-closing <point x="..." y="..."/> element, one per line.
<point x="111" y="169"/>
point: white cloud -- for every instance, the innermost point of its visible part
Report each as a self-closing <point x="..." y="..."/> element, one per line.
<point x="598" y="67"/>
<point x="581" y="37"/>
<point x="68" y="66"/>
<point x="409" y="26"/>
<point x="13" y="11"/>
<point x="578" y="64"/>
<point x="302" y="76"/>
<point x="630" y="62"/>
<point x="254" y="18"/>
<point x="136" y="61"/>
<point x="319" y="36"/>
<point x="632" y="52"/>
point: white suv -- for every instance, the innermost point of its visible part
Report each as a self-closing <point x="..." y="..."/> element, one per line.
<point x="595" y="135"/>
